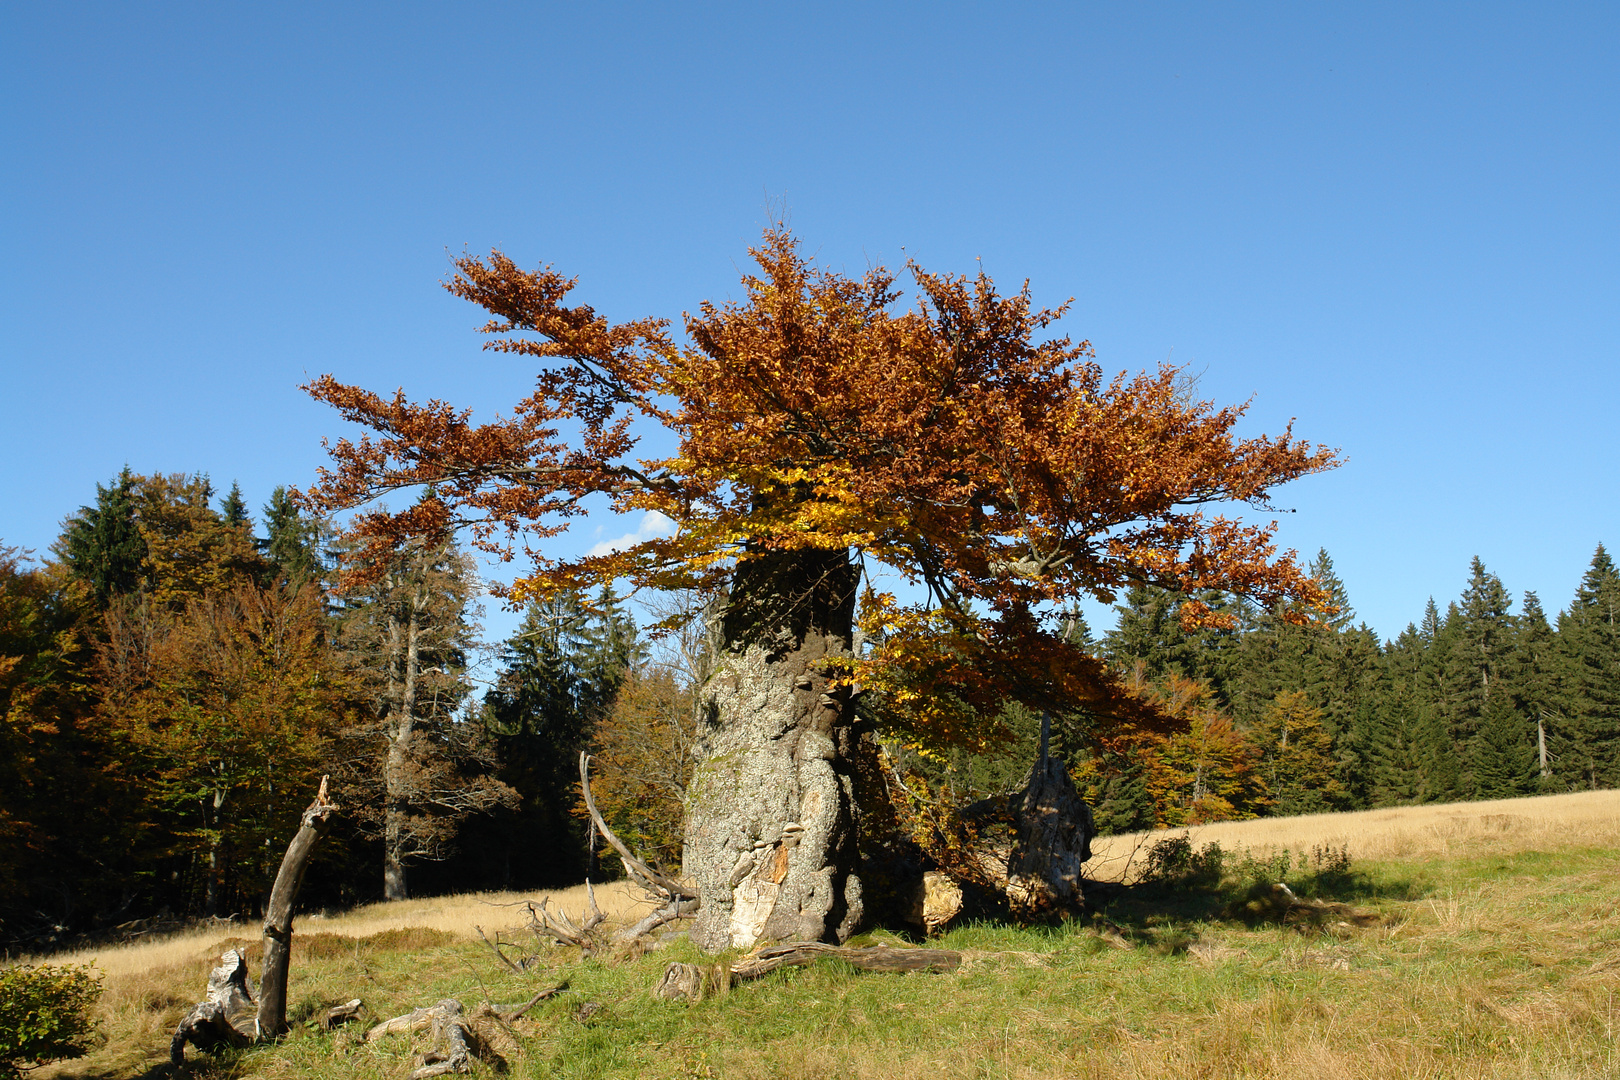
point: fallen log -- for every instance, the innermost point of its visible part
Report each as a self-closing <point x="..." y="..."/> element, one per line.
<point x="692" y="982"/>
<point x="450" y="1030"/>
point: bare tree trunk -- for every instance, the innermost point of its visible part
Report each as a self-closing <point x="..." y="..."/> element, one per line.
<point x="216" y="844"/>
<point x="279" y="913"/>
<point x="404" y="647"/>
<point x="1541" y="743"/>
<point x="771" y="811"/>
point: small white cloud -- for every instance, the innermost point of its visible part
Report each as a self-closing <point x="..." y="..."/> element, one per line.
<point x="652" y="524"/>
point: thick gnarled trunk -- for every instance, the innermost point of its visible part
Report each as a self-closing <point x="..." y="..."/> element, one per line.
<point x="771" y="812"/>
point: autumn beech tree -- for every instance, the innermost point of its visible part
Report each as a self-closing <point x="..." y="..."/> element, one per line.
<point x="824" y="429"/>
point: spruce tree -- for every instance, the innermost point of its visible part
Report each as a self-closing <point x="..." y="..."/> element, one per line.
<point x="1394" y="751"/>
<point x="1149" y="632"/>
<point x="292" y="540"/>
<point x="1536" y="682"/>
<point x="1481" y="635"/>
<point x="102" y="544"/>
<point x="1503" y="759"/>
<point x="1436" y="696"/>
<point x="561" y="671"/>
<point x="1589" y="637"/>
<point x="233" y="507"/>
<point x="1333" y="662"/>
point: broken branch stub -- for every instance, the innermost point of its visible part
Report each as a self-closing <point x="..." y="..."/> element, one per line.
<point x="278" y="914"/>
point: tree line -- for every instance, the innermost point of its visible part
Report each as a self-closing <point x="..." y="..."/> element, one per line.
<point x="175" y="682"/>
<point x="1473" y="702"/>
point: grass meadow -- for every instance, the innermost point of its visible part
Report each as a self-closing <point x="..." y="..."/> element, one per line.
<point x="1478" y="940"/>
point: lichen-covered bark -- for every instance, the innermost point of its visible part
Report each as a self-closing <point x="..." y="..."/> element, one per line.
<point x="771" y="832"/>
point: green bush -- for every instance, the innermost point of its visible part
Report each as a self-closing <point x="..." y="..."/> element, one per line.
<point x="1173" y="861"/>
<point x="44" y="1015"/>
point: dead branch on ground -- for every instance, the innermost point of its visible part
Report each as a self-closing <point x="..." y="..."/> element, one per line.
<point x="693" y="982"/>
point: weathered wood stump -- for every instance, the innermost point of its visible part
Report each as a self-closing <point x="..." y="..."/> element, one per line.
<point x="1017" y="854"/>
<point x="226" y="1017"/>
<point x="278" y="913"/>
<point x="1054" y="831"/>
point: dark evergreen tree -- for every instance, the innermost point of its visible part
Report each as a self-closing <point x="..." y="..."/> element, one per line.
<point x="102" y="544"/>
<point x="1588" y="750"/>
<point x="1394" y="750"/>
<point x="1335" y="664"/>
<point x="1120" y="802"/>
<point x="1436" y="697"/>
<point x="1503" y="759"/>
<point x="292" y="539"/>
<point x="1481" y="634"/>
<point x="1149" y="632"/>
<point x="233" y="507"/>
<point x="561" y="671"/>
<point x="1536" y="682"/>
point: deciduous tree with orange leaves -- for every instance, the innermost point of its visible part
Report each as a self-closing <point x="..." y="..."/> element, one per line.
<point x="825" y="428"/>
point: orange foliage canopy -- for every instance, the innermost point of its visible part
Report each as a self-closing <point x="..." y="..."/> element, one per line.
<point x="1000" y="472"/>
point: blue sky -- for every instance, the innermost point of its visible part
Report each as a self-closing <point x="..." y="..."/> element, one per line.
<point x="1395" y="223"/>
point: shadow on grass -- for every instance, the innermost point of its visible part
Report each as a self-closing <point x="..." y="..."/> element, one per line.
<point x="1149" y="908"/>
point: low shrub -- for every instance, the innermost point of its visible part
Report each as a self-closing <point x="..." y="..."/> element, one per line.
<point x="1173" y="861"/>
<point x="45" y="1015"/>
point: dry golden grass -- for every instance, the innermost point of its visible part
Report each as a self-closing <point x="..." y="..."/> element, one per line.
<point x="149" y="985"/>
<point x="1580" y="819"/>
<point x="454" y="915"/>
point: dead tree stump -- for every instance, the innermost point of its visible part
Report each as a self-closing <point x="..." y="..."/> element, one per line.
<point x="317" y="818"/>
<point x="226" y="1017"/>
